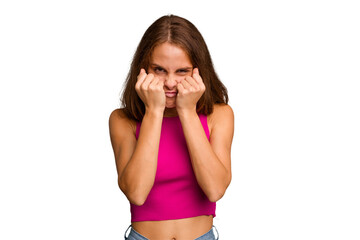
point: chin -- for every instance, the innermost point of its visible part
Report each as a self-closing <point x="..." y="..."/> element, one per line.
<point x="170" y="105"/>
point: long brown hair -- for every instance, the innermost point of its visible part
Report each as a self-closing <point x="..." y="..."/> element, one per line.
<point x="182" y="33"/>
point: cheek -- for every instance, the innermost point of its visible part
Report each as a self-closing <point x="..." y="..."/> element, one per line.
<point x="161" y="77"/>
<point x="179" y="79"/>
<point x="182" y="77"/>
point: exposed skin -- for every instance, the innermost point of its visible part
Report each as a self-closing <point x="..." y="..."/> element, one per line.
<point x="136" y="160"/>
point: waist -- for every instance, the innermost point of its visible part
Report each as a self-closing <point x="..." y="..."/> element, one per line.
<point x="185" y="228"/>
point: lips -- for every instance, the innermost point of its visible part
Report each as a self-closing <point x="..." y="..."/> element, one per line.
<point x="170" y="94"/>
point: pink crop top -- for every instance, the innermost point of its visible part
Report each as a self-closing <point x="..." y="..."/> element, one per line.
<point x="175" y="193"/>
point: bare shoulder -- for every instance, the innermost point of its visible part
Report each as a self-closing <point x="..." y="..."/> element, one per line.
<point x="119" y="121"/>
<point x="222" y="114"/>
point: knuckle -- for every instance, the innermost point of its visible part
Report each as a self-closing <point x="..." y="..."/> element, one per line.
<point x="141" y="75"/>
<point x="143" y="87"/>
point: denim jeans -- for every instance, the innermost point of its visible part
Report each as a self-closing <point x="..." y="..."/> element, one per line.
<point x="137" y="236"/>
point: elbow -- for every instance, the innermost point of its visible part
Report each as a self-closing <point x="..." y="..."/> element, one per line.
<point x="216" y="195"/>
<point x="215" y="198"/>
<point x="135" y="197"/>
<point x="138" y="201"/>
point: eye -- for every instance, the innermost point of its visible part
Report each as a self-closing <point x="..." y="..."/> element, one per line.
<point x="183" y="71"/>
<point x="159" y="70"/>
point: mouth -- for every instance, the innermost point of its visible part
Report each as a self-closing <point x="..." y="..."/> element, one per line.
<point x="171" y="94"/>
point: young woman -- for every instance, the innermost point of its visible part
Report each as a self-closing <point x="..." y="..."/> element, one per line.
<point x="172" y="137"/>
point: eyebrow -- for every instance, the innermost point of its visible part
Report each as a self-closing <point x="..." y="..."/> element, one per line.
<point x="183" y="68"/>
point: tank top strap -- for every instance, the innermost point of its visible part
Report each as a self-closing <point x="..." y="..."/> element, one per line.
<point x="203" y="120"/>
<point x="138" y="124"/>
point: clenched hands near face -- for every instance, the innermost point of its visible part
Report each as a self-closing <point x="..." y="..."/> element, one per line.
<point x="150" y="89"/>
<point x="171" y="81"/>
<point x="190" y="91"/>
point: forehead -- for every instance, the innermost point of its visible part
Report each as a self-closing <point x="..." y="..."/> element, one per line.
<point x="170" y="55"/>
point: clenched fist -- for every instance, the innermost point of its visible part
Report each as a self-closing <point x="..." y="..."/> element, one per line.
<point x="190" y="91"/>
<point x="151" y="91"/>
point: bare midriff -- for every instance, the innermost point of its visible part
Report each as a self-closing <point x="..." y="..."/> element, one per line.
<point x="179" y="229"/>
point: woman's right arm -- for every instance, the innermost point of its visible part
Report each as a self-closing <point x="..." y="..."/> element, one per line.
<point x="136" y="161"/>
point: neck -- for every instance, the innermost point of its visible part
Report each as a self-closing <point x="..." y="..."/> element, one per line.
<point x="170" y="112"/>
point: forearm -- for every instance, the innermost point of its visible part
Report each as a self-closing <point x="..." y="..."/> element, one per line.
<point x="211" y="174"/>
<point x="138" y="176"/>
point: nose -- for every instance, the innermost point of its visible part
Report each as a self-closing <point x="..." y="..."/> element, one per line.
<point x="170" y="82"/>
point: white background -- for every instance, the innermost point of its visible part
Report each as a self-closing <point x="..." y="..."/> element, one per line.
<point x="292" y="72"/>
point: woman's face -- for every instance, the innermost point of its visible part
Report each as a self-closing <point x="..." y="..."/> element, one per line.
<point x="170" y="64"/>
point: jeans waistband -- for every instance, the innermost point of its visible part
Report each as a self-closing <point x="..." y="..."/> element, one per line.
<point x="203" y="237"/>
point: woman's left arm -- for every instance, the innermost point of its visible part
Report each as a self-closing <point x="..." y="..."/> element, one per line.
<point x="211" y="161"/>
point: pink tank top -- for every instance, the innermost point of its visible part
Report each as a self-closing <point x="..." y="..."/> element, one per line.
<point x="176" y="193"/>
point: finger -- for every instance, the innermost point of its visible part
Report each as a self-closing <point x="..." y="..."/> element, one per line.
<point x="180" y="87"/>
<point x="160" y="83"/>
<point x="147" y="81"/>
<point x="141" y="75"/>
<point x="154" y="82"/>
<point x="140" y="78"/>
<point x="192" y="83"/>
<point x="185" y="84"/>
<point x="197" y="76"/>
